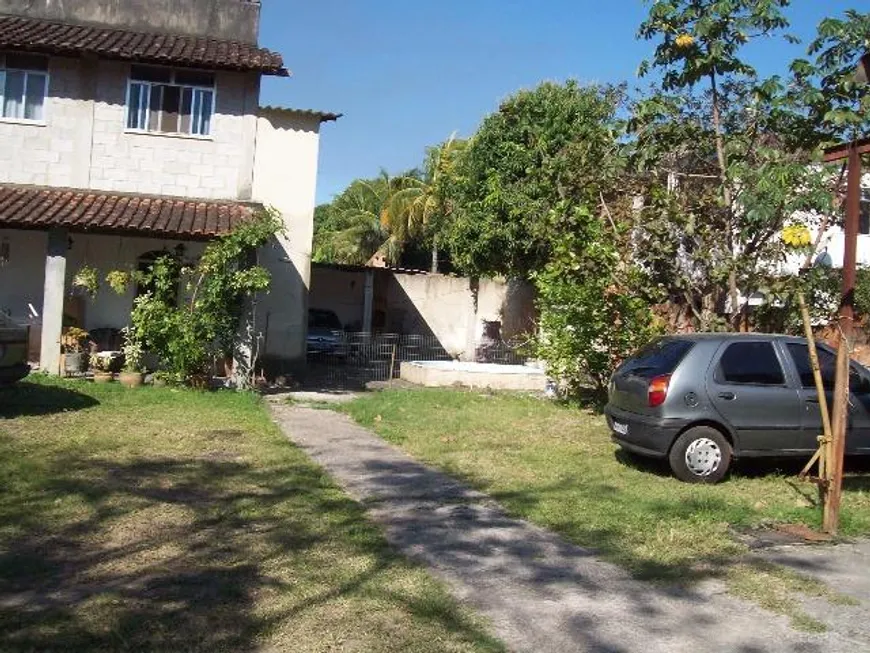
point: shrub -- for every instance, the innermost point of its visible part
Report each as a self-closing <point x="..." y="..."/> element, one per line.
<point x="189" y="336"/>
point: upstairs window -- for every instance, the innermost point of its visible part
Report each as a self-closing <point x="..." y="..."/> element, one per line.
<point x="23" y="86"/>
<point x="170" y="101"/>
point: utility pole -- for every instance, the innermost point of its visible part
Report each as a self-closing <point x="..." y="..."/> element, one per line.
<point x="852" y="152"/>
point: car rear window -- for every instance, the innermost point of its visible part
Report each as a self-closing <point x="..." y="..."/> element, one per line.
<point x="658" y="357"/>
<point x="323" y="320"/>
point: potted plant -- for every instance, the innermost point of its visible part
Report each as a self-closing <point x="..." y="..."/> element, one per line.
<point x="132" y="376"/>
<point x="87" y="280"/>
<point x="101" y="365"/>
<point x="73" y="341"/>
<point x="163" y="378"/>
<point x="119" y="281"/>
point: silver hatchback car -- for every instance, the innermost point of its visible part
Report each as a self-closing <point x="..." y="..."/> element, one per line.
<point x="701" y="400"/>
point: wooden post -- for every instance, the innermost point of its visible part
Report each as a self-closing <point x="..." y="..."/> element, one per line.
<point x="392" y="365"/>
<point x="825" y="454"/>
<point x="831" y="515"/>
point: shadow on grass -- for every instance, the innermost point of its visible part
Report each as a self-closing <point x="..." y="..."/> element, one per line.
<point x="32" y="399"/>
<point x="448" y="526"/>
<point x="187" y="555"/>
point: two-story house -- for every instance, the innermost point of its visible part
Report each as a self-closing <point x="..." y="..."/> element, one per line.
<point x="133" y="127"/>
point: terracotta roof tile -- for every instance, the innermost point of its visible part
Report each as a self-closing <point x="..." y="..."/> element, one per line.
<point x="36" y="207"/>
<point x="49" y="37"/>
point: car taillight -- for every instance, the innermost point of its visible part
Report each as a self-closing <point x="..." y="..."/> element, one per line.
<point x="658" y="390"/>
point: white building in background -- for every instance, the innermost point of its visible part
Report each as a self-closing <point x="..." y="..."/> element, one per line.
<point x="833" y="243"/>
<point x="134" y="127"/>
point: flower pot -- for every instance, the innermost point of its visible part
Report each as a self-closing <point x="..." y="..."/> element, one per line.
<point x="103" y="377"/>
<point x="131" y="379"/>
<point x="199" y="381"/>
<point x="74" y="362"/>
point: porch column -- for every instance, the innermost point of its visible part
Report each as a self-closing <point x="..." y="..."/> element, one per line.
<point x="368" y="301"/>
<point x="52" y="300"/>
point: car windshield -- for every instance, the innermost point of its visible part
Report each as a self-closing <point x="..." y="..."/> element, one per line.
<point x="323" y="320"/>
<point x="659" y="357"/>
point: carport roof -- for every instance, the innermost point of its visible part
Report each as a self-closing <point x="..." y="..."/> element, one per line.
<point x="79" y="210"/>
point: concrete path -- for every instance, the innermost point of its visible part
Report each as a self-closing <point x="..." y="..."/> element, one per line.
<point x="539" y="592"/>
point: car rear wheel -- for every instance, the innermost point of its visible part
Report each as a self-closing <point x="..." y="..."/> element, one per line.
<point x="700" y="455"/>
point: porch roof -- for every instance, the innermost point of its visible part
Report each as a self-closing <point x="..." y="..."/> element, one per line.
<point x="38" y="207"/>
<point x="69" y="39"/>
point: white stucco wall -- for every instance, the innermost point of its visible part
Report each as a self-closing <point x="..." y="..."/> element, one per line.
<point x="445" y="306"/>
<point x="285" y="178"/>
<point x="84" y="144"/>
<point x="340" y="291"/>
<point x="428" y="304"/>
<point x="22" y="279"/>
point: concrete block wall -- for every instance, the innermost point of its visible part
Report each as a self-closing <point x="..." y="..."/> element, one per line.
<point x="84" y="143"/>
<point x="51" y="153"/>
<point x="454" y="309"/>
<point x="208" y="167"/>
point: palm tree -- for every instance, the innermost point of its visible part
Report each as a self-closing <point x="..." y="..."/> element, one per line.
<point x="358" y="228"/>
<point x="420" y="205"/>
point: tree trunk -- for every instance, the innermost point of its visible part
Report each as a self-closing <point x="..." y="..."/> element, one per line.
<point x="727" y="199"/>
<point x="434" y="268"/>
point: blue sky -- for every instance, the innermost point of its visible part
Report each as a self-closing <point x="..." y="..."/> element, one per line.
<point x="408" y="74"/>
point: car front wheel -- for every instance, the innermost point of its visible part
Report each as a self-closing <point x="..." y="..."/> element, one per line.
<point x="700" y="455"/>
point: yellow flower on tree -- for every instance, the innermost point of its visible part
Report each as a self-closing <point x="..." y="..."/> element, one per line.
<point x="685" y="40"/>
<point x="797" y="235"/>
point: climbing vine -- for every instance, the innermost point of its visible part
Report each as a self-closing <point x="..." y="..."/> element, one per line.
<point x="188" y="335"/>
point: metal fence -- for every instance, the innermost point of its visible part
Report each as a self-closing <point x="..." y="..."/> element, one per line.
<point x="360" y="358"/>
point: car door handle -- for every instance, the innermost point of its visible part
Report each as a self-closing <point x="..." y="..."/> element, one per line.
<point x="727" y="396"/>
<point x="812" y="400"/>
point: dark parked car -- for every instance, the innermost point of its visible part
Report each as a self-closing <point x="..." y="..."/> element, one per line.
<point x="325" y="334"/>
<point x="700" y="400"/>
<point x="13" y="351"/>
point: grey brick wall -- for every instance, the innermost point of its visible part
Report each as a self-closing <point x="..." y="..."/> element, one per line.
<point x="83" y="142"/>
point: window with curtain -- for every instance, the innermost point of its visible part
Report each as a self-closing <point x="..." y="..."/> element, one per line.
<point x="170" y="101"/>
<point x="23" y="86"/>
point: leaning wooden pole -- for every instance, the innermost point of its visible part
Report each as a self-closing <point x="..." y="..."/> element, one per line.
<point x="824" y="453"/>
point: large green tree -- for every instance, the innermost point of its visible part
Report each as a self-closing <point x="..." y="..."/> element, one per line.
<point x="552" y="147"/>
<point x="727" y="157"/>
<point x="365" y="220"/>
<point x="682" y="228"/>
<point x="837" y="104"/>
<point x="702" y="42"/>
<point x="542" y="194"/>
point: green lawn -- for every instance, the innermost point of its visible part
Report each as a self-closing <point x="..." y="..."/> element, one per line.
<point x="556" y="466"/>
<point x="166" y="520"/>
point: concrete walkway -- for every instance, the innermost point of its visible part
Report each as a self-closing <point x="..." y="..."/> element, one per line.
<point x="539" y="592"/>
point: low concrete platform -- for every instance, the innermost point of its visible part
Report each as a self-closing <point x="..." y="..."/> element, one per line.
<point x="474" y="375"/>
